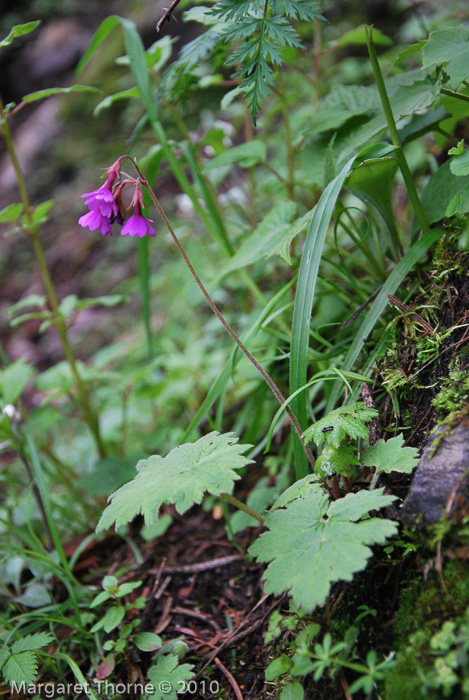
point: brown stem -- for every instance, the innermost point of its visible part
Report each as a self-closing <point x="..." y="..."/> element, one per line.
<point x="267" y="378"/>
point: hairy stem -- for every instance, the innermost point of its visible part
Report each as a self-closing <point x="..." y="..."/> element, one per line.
<point x="31" y="230"/>
<point x="267" y="378"/>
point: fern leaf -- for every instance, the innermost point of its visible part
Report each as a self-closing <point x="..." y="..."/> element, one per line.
<point x="20" y="668"/>
<point x="31" y="642"/>
<point x="181" y="478"/>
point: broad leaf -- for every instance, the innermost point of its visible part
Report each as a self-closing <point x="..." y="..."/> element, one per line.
<point x="373" y="181"/>
<point x="266" y="239"/>
<point x="181" y="478"/>
<point x="147" y="641"/>
<point x="345" y="420"/>
<point x="358" y="36"/>
<point x="167" y="676"/>
<point x="312" y="543"/>
<point x="246" y="155"/>
<point x="460" y="164"/>
<point x="451" y="47"/>
<point x="391" y="456"/>
<point x="300" y="489"/>
<point x="441" y="189"/>
<point x="13" y="379"/>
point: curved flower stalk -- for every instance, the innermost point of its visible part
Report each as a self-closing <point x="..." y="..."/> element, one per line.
<point x="139" y="225"/>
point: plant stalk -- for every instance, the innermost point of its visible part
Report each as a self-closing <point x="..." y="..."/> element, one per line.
<point x="267" y="378"/>
<point x="31" y="231"/>
<point x="401" y="159"/>
<point x="242" y="506"/>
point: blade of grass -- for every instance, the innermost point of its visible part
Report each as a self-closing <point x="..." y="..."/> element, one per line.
<point x="391" y="285"/>
<point x="307" y="278"/>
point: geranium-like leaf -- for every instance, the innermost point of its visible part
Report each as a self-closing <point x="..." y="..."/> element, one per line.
<point x="345" y="420"/>
<point x="167" y="675"/>
<point x="312" y="543"/>
<point x="391" y="456"/>
<point x="181" y="478"/>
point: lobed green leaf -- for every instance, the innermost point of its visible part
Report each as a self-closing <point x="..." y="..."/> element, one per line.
<point x="181" y="478"/>
<point x="391" y="456"/>
<point x="311" y="543"/>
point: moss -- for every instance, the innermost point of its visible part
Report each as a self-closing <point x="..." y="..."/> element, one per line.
<point x="428" y="619"/>
<point x="453" y="393"/>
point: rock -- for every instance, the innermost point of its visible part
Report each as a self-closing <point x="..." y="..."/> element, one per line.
<point x="440" y="485"/>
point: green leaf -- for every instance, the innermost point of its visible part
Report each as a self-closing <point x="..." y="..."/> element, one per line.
<point x="147" y="641"/>
<point x="266" y="239"/>
<point x="391" y="456"/>
<point x="13" y="379"/>
<point x="49" y="92"/>
<point x="345" y="420"/>
<point x="300" y="489"/>
<point x="110" y="99"/>
<point x="100" y="598"/>
<point x="167" y="675"/>
<point x="32" y="642"/>
<point x="457" y="150"/>
<point x="278" y="667"/>
<point x="181" y="478"/>
<point x="40" y="212"/>
<point x="460" y="165"/>
<point x="309" y="269"/>
<point x="335" y="459"/>
<point x="113" y="618"/>
<point x="358" y="36"/>
<point x="246" y="155"/>
<point x="19" y="30"/>
<point x="11" y="213"/>
<point x="312" y="543"/>
<point x="59" y="377"/>
<point x="373" y="181"/>
<point x="292" y="691"/>
<point x="451" y="47"/>
<point x="441" y="188"/>
<point x="31" y="300"/>
<point x="342" y="104"/>
<point x="20" y="668"/>
<point x="35" y="596"/>
<point x="102" y="32"/>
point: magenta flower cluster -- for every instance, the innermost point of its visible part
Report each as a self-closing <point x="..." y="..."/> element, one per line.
<point x="106" y="207"/>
